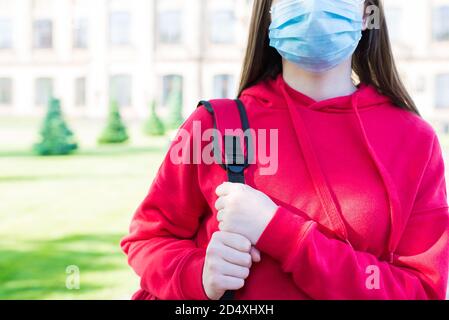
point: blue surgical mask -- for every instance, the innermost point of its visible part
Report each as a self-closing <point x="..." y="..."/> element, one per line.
<point x="317" y="35"/>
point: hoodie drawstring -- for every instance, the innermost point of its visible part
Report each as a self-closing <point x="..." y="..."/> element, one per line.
<point x="319" y="182"/>
<point x="393" y="201"/>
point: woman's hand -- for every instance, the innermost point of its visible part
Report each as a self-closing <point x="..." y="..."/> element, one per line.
<point x="243" y="210"/>
<point x="229" y="257"/>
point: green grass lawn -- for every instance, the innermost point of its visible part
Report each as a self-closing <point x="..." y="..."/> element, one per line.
<point x="61" y="211"/>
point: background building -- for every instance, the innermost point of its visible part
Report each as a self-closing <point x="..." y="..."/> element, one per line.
<point x="134" y="51"/>
<point x="64" y="214"/>
<point x="420" y="35"/>
<point x="88" y="52"/>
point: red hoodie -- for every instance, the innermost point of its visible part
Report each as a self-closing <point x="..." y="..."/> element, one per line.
<point x="362" y="197"/>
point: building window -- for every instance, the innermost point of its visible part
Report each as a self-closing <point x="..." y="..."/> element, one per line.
<point x="224" y="86"/>
<point x="80" y="33"/>
<point x="80" y="92"/>
<point x="420" y="84"/>
<point x="119" y="28"/>
<point x="171" y="85"/>
<point x="44" y="91"/>
<point x="441" y="91"/>
<point x="394" y="21"/>
<point x="223" y="25"/>
<point x="5" y="33"/>
<point x="441" y="23"/>
<point x="43" y="34"/>
<point x="170" y="27"/>
<point x="445" y="128"/>
<point x="5" y="91"/>
<point x="120" y="90"/>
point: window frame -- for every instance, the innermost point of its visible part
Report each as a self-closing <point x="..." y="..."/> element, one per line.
<point x="444" y="21"/>
<point x="8" y="35"/>
<point x="36" y="37"/>
<point x="123" y="41"/>
<point x="79" y="45"/>
<point x="113" y="96"/>
<point x="10" y="95"/>
<point x="166" y="38"/>
<point x="37" y="96"/>
<point x="168" y="80"/>
<point x="231" y="85"/>
<point x="437" y="96"/>
<point x="80" y="102"/>
<point x="217" y="26"/>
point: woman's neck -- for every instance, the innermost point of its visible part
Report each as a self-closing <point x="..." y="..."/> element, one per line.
<point x="320" y="86"/>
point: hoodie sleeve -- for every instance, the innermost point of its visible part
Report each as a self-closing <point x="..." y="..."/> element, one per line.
<point x="160" y="244"/>
<point x="327" y="268"/>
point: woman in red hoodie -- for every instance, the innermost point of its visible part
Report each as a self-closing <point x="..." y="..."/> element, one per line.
<point x="357" y="208"/>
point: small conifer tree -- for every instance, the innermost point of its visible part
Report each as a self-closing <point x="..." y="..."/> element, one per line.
<point x="115" y="131"/>
<point x="56" y="137"/>
<point x="154" y="126"/>
<point x="176" y="118"/>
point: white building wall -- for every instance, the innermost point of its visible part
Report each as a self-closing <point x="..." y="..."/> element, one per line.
<point x="145" y="60"/>
<point x="420" y="58"/>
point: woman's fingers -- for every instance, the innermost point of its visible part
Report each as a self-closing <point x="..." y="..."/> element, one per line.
<point x="234" y="240"/>
<point x="220" y="214"/>
<point x="223" y="189"/>
<point x="227" y="263"/>
<point x="227" y="187"/>
<point x="233" y="270"/>
<point x="255" y="255"/>
<point x="237" y="249"/>
<point x="236" y="257"/>
<point x="220" y="203"/>
<point x="231" y="283"/>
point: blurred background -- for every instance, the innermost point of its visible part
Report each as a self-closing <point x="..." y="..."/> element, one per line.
<point x="120" y="75"/>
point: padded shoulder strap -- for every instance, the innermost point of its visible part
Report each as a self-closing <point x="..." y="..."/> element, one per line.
<point x="231" y="146"/>
<point x="231" y="121"/>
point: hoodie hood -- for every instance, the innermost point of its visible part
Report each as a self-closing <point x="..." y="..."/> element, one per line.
<point x="276" y="93"/>
<point x="270" y="94"/>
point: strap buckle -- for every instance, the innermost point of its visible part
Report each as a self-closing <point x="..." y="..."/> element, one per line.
<point x="235" y="160"/>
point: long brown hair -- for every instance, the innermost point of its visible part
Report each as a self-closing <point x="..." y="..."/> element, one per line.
<point x="372" y="62"/>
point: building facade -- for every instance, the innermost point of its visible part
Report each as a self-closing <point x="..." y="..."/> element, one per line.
<point x="90" y="52"/>
<point x="135" y="51"/>
<point x="420" y="35"/>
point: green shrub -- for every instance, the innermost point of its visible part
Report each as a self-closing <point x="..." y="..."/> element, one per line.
<point x="154" y="126"/>
<point x="115" y="131"/>
<point x="56" y="137"/>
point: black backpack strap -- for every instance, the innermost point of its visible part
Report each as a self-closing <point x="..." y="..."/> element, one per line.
<point x="231" y="114"/>
<point x="234" y="151"/>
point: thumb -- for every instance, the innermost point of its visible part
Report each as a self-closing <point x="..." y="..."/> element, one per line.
<point x="255" y="254"/>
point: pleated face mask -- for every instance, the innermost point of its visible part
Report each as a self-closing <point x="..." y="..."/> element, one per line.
<point x="317" y="35"/>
